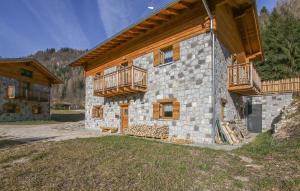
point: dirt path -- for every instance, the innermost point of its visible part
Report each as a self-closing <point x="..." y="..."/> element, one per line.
<point x="47" y="132"/>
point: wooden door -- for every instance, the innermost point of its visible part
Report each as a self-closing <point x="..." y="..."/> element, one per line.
<point x="124" y="117"/>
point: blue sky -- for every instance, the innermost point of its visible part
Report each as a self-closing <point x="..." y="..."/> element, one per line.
<point x="27" y="26"/>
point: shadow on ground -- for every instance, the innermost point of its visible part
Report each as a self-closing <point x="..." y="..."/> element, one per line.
<point x="6" y="142"/>
<point x="67" y="117"/>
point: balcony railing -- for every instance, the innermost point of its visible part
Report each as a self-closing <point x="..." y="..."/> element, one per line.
<point x="244" y="79"/>
<point x="31" y="95"/>
<point x="123" y="81"/>
<point x="281" y="86"/>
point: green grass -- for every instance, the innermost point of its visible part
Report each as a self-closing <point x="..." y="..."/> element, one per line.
<point x="128" y="163"/>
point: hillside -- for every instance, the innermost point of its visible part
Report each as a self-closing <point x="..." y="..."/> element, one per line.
<point x="57" y="62"/>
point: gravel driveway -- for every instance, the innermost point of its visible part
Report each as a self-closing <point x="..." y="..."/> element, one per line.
<point x="47" y="132"/>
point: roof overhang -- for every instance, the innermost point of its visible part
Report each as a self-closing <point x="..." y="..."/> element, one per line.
<point x="164" y="15"/>
<point x="34" y="63"/>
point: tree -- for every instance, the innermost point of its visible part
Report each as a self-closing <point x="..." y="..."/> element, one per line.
<point x="281" y="43"/>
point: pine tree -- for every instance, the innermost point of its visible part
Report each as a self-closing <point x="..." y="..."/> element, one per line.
<point x="281" y="43"/>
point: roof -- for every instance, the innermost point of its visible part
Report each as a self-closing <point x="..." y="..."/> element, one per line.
<point x="134" y="30"/>
<point x="52" y="78"/>
<point x="165" y="14"/>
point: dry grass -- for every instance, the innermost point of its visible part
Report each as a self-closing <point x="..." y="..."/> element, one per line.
<point x="128" y="163"/>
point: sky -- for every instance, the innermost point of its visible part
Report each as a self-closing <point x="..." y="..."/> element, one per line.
<point x="27" y="26"/>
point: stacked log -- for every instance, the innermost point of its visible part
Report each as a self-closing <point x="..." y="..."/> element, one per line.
<point x="179" y="141"/>
<point x="228" y="134"/>
<point x="149" y="131"/>
<point x="109" y="129"/>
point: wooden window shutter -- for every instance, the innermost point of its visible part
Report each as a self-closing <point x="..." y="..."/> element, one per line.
<point x="17" y="109"/>
<point x="94" y="112"/>
<point x="156" y="110"/>
<point x="157" y="60"/>
<point x="101" y="112"/>
<point x="176" y="51"/>
<point x="176" y="110"/>
<point x="5" y="108"/>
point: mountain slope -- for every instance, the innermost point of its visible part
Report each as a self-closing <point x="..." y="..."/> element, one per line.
<point x="57" y="62"/>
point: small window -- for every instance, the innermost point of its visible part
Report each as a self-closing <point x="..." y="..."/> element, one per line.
<point x="36" y="109"/>
<point x="11" y="92"/>
<point x="97" y="112"/>
<point x="166" y="109"/>
<point x="11" y="108"/>
<point x="166" y="55"/>
<point x="26" y="73"/>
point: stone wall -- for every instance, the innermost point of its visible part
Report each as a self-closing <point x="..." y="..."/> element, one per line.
<point x="189" y="80"/>
<point x="271" y="107"/>
<point x="25" y="106"/>
<point x="234" y="107"/>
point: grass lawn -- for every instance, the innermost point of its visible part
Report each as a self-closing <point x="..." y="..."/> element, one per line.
<point x="128" y="163"/>
<point x="57" y="116"/>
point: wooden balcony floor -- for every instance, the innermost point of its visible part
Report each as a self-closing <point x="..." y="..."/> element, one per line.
<point x="244" y="90"/>
<point x="124" y="90"/>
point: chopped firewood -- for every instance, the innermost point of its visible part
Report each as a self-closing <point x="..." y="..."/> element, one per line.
<point x="158" y="132"/>
<point x="179" y="141"/>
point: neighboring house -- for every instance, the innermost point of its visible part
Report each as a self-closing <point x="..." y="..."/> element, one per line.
<point x="25" y="87"/>
<point x="178" y="68"/>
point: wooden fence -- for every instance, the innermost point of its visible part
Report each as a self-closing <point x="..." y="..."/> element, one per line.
<point x="281" y="86"/>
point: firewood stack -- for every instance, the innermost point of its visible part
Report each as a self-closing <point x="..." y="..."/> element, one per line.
<point x="227" y="133"/>
<point x="158" y="132"/>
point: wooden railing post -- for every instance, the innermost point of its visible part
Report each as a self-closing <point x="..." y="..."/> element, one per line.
<point x="132" y="77"/>
<point x="117" y="79"/>
<point x="251" y="73"/>
<point x="103" y="84"/>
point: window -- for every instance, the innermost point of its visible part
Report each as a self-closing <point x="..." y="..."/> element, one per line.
<point x="11" y="108"/>
<point x="97" y="112"/>
<point x="167" y="55"/>
<point x="11" y="92"/>
<point x="36" y="109"/>
<point x="26" y="73"/>
<point x="24" y="89"/>
<point x="166" y="109"/>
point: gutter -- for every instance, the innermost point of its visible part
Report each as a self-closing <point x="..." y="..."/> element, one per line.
<point x="213" y="68"/>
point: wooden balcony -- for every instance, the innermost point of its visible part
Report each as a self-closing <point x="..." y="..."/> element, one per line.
<point x="123" y="81"/>
<point x="31" y="95"/>
<point x="244" y="79"/>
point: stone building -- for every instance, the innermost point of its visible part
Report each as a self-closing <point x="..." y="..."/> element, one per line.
<point x="25" y="87"/>
<point x="186" y="66"/>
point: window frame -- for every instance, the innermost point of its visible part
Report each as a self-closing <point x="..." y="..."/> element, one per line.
<point x="11" y="92"/>
<point x="163" y="52"/>
<point x="97" y="112"/>
<point x="38" y="108"/>
<point x="26" y="73"/>
<point x="158" y="109"/>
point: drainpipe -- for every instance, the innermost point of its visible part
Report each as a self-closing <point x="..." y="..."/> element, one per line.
<point x="213" y="67"/>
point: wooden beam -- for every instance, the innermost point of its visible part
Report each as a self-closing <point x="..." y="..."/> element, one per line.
<point x="171" y="11"/>
<point x="143" y="27"/>
<point x="160" y="17"/>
